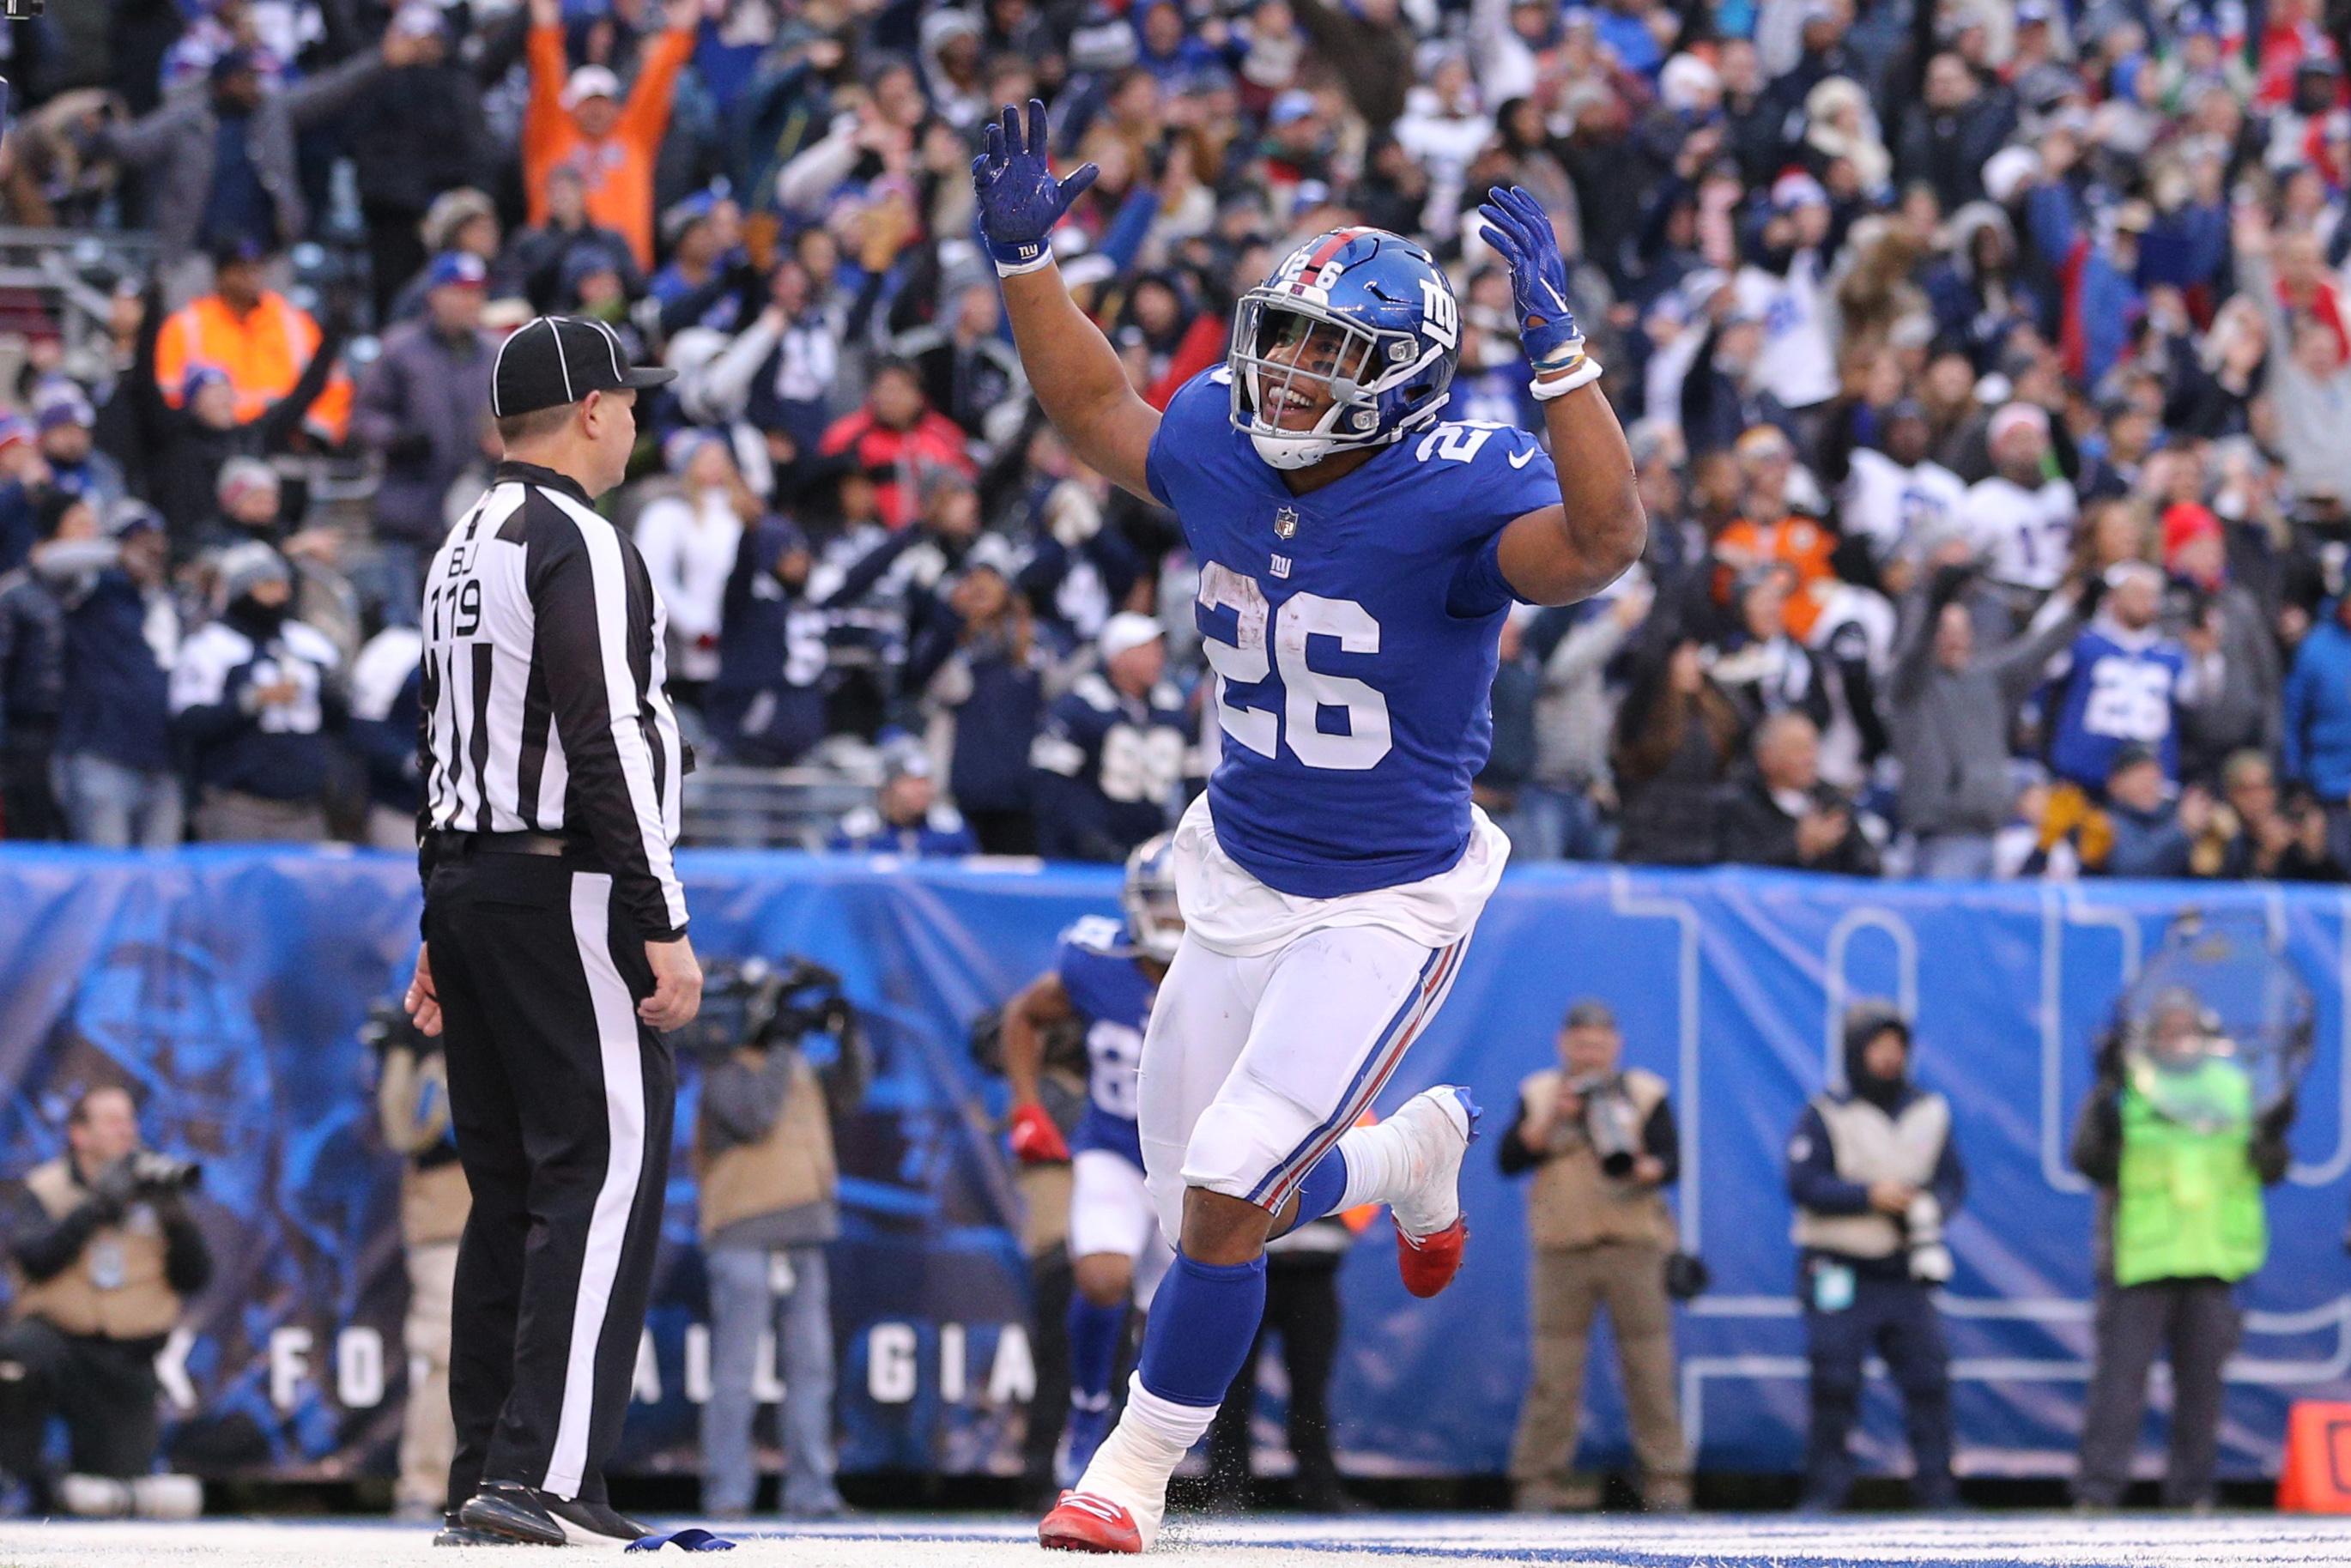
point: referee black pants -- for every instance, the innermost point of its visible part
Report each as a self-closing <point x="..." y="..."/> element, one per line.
<point x="561" y="1100"/>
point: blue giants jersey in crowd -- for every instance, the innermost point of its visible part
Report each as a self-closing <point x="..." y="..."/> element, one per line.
<point x="2119" y="692"/>
<point x="1353" y="630"/>
<point x="1110" y="991"/>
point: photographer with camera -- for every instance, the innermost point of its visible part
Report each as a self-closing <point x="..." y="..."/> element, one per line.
<point x="102" y="1256"/>
<point x="2180" y="1153"/>
<point x="1874" y="1175"/>
<point x="763" y="1152"/>
<point x="1600" y="1140"/>
<point x="412" y="1098"/>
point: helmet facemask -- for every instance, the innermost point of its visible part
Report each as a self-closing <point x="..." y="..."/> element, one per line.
<point x="1292" y="357"/>
<point x="1154" y="921"/>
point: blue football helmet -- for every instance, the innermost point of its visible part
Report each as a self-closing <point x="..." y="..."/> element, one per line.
<point x="1362" y="317"/>
<point x="1154" y="924"/>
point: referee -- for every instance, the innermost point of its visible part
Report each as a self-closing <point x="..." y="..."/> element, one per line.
<point x="555" y="944"/>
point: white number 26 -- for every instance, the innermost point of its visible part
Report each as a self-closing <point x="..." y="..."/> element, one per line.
<point x="1305" y="691"/>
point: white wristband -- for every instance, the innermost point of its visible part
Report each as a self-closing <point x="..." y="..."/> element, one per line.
<point x="1586" y="371"/>
<point x="1015" y="268"/>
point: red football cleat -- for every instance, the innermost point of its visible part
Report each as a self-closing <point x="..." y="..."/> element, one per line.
<point x="1081" y="1522"/>
<point x="1429" y="1263"/>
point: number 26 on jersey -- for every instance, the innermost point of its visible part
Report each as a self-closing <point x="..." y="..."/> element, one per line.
<point x="1269" y="648"/>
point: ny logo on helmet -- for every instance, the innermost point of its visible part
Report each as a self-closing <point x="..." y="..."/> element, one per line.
<point x="1442" y="316"/>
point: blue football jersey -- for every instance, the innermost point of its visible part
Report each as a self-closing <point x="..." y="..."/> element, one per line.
<point x="1110" y="991"/>
<point x="2117" y="694"/>
<point x="1353" y="630"/>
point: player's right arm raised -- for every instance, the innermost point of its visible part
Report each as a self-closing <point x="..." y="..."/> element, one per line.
<point x="1071" y="367"/>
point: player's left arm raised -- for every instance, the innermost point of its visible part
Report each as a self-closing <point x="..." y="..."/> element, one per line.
<point x="1560" y="554"/>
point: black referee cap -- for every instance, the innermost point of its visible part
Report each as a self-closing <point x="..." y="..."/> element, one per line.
<point x="552" y="360"/>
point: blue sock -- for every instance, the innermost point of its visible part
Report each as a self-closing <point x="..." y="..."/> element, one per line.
<point x="1094" y="1334"/>
<point x="1320" y="1193"/>
<point x="1202" y="1322"/>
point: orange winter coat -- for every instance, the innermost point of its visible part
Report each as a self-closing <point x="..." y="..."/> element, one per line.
<point x="618" y="169"/>
<point x="263" y="353"/>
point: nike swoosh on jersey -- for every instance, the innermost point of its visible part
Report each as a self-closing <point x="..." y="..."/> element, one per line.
<point x="1520" y="459"/>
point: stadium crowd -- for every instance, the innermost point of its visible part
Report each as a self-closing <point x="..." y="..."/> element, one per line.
<point x="1987" y="367"/>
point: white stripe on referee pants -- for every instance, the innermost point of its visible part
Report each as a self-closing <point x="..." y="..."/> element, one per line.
<point x="607" y="1226"/>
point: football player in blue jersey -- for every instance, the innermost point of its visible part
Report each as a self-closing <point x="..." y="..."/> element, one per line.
<point x="1357" y="556"/>
<point x="1106" y="977"/>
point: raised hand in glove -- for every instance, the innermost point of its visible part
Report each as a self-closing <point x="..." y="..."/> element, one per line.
<point x="1035" y="1140"/>
<point x="2086" y="597"/>
<point x="1020" y="199"/>
<point x="1518" y="227"/>
<point x="1947" y="583"/>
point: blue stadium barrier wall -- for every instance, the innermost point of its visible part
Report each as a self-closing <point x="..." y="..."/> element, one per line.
<point x="230" y="985"/>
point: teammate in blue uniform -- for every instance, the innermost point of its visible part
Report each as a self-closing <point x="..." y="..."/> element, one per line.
<point x="1357" y="556"/>
<point x="1106" y="975"/>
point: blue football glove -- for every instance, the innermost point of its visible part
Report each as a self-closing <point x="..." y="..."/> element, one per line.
<point x="1518" y="227"/>
<point x="1020" y="199"/>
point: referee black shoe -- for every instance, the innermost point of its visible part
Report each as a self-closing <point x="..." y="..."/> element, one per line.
<point x="454" y="1534"/>
<point x="520" y="1513"/>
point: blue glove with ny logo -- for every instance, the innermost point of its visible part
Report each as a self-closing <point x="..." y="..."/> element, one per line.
<point x="1518" y="227"/>
<point x="1020" y="199"/>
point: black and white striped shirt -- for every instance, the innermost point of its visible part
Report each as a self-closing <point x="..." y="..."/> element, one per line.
<point x="543" y="706"/>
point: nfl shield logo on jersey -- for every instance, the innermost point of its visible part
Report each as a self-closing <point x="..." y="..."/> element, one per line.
<point x="1285" y="522"/>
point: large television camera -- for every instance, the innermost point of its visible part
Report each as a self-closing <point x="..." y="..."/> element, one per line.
<point x="754" y="1003"/>
<point x="2223" y="985"/>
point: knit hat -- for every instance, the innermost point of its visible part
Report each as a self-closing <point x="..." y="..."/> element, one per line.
<point x="245" y="567"/>
<point x="241" y="477"/>
<point x="689" y="211"/>
<point x="198" y="377"/>
<point x="62" y="404"/>
<point x="420" y="19"/>
<point x="2185" y="522"/>
<point x="904" y="758"/>
<point x="129" y="516"/>
<point x="2015" y="416"/>
<point x="941" y="479"/>
<point x="452" y="211"/>
<point x="991" y="552"/>
<point x="677" y="452"/>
